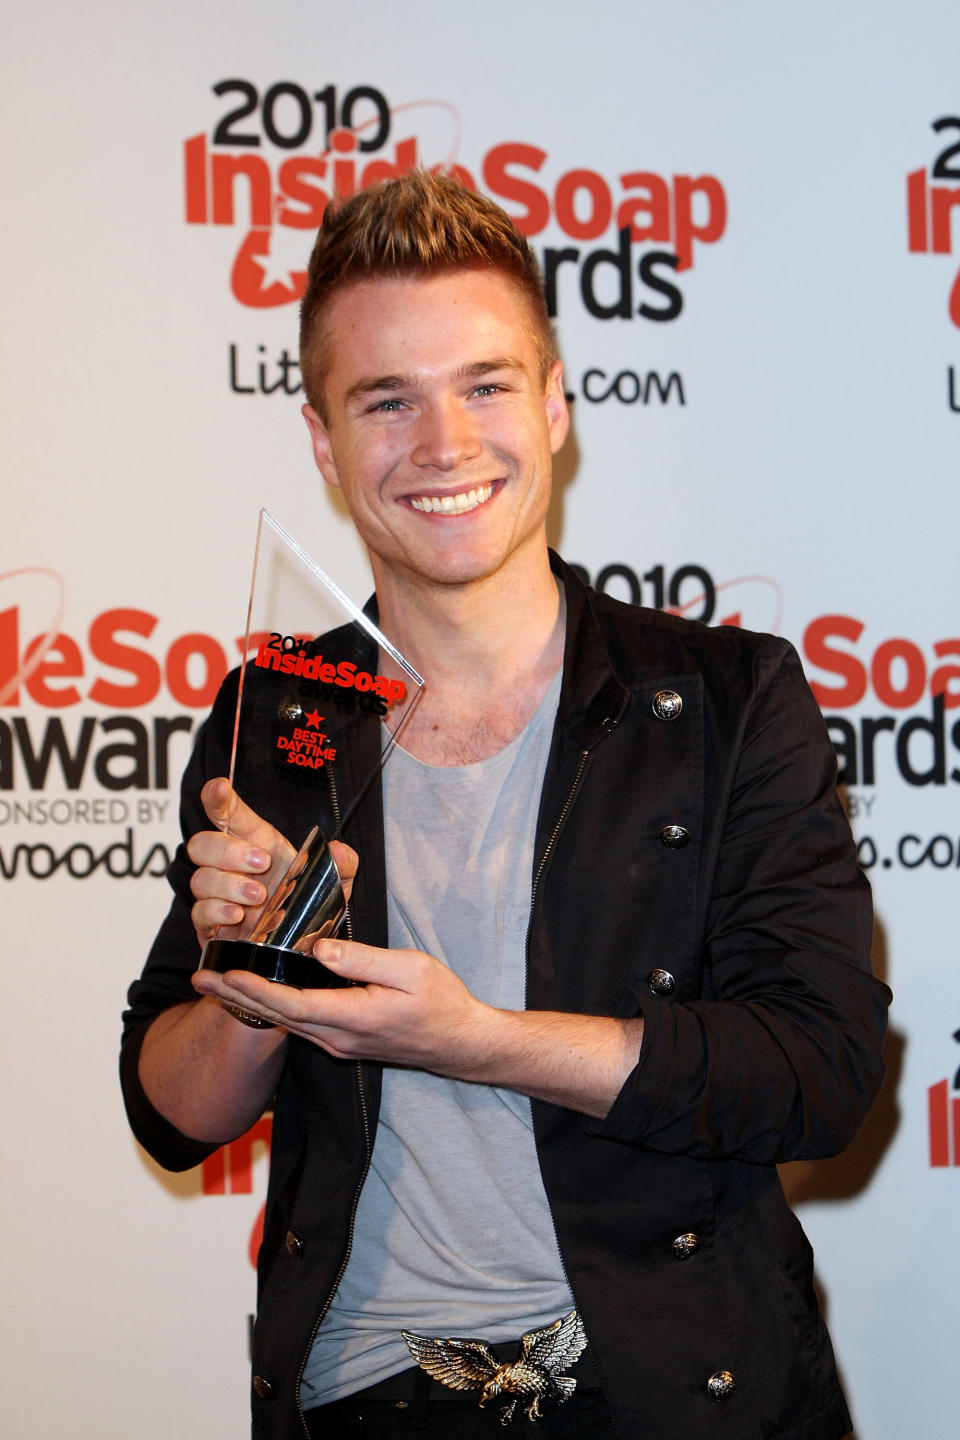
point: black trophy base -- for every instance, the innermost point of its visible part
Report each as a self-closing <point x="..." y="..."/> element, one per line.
<point x="284" y="967"/>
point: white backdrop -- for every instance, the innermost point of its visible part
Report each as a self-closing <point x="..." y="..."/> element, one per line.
<point x="800" y="466"/>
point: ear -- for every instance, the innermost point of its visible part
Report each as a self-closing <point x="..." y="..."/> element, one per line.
<point x="320" y="440"/>
<point x="555" y="399"/>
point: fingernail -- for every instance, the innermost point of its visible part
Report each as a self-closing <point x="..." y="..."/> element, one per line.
<point x="331" y="950"/>
<point x="253" y="891"/>
<point x="258" y="859"/>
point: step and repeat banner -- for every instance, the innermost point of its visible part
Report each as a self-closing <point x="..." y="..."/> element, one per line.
<point x="749" y="223"/>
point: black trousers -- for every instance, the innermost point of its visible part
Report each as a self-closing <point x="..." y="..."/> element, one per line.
<point x="412" y="1405"/>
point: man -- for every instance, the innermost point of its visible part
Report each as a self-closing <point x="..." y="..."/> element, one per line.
<point x="609" y="938"/>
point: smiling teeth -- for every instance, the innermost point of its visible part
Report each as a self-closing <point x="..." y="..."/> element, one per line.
<point x="452" y="504"/>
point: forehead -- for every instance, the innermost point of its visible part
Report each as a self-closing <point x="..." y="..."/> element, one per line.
<point x="414" y="324"/>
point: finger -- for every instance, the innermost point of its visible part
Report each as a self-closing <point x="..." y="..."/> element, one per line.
<point x="368" y="965"/>
<point x="224" y="852"/>
<point x="228" y="812"/>
<point x="304" y="1011"/>
<point x="217" y="919"/>
<point x="347" y="862"/>
<point x="212" y="883"/>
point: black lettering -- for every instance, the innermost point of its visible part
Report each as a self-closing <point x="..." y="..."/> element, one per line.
<point x="622" y="572"/>
<point x="223" y="135"/>
<point x="708" y="597"/>
<point x="941" y="168"/>
<point x="650" y="278"/>
<point x="235" y="385"/>
<point x="301" y="99"/>
<point x="653" y="379"/>
<point x="595" y="397"/>
<point x="137" y="750"/>
<point x="6" y="756"/>
<point x="552" y="260"/>
<point x="619" y="259"/>
<point x="936" y="774"/>
<point x="163" y="728"/>
<point x="951" y="396"/>
<point x="846" y="748"/>
<point x="869" y="729"/>
<point x="54" y="740"/>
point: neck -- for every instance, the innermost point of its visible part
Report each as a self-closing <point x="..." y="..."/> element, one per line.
<point x="485" y="632"/>
<point x="487" y="651"/>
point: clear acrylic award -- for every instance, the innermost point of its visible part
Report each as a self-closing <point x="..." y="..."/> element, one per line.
<point x="323" y="696"/>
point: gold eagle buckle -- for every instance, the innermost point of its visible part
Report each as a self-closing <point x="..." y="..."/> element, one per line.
<point x="533" y="1379"/>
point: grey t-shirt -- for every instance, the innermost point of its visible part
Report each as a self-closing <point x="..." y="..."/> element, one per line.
<point x="453" y="1233"/>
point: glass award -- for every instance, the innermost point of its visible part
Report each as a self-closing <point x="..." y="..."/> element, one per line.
<point x="323" y="697"/>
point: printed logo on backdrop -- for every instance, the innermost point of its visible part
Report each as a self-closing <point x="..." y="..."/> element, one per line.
<point x="943" y="1111"/>
<point x="230" y="1171"/>
<point x="933" y="194"/>
<point x="890" y="703"/>
<point x="96" y="725"/>
<point x="273" y="157"/>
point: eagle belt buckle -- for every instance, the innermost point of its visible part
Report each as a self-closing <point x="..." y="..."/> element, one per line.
<point x="533" y="1379"/>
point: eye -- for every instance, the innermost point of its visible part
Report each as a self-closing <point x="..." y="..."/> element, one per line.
<point x="386" y="407"/>
<point x="488" y="388"/>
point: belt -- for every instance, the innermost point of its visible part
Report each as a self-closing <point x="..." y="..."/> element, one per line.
<point x="540" y="1370"/>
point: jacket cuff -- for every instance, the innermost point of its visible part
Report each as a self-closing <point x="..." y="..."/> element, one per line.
<point x="635" y="1108"/>
<point x="162" y="1140"/>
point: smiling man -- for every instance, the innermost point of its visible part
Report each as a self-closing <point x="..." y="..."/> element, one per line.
<point x="609" y="941"/>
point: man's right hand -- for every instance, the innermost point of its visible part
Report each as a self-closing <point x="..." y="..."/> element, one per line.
<point x="240" y="863"/>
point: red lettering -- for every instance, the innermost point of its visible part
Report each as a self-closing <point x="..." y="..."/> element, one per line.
<point x="225" y="167"/>
<point x="917" y="211"/>
<point x="941" y="677"/>
<point x="655" y="204"/>
<point x="63" y="658"/>
<point x="345" y="673"/>
<point x="178" y="664"/>
<point x="195" y="179"/>
<point x="881" y="674"/>
<point x="500" y="182"/>
<point x="685" y="229"/>
<point x="138" y="663"/>
<point x="565" y="204"/>
<point x="298" y="188"/>
<point x="9" y="655"/>
<point x="943" y="201"/>
<point x="837" y="662"/>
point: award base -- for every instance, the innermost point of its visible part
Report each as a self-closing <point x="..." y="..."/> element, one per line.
<point x="307" y="905"/>
<point x="272" y="962"/>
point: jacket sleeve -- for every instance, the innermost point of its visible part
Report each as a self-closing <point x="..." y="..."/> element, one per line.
<point x="175" y="953"/>
<point x="779" y="1056"/>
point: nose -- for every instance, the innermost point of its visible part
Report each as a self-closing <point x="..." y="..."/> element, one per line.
<point x="446" y="436"/>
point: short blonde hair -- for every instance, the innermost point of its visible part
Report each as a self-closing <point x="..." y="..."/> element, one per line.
<point x="417" y="225"/>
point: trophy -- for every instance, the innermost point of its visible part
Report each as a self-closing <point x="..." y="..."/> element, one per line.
<point x="323" y="696"/>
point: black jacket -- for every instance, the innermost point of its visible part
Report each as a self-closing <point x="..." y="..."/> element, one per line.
<point x="697" y="870"/>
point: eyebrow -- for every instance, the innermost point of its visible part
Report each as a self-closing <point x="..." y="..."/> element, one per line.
<point x="378" y="384"/>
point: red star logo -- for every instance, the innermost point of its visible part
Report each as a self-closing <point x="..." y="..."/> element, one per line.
<point x="312" y="718"/>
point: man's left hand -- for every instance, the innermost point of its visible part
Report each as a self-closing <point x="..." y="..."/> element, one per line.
<point x="406" y="1007"/>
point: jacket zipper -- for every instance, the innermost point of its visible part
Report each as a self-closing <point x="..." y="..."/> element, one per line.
<point x="361" y="1093"/>
<point x="575" y="785"/>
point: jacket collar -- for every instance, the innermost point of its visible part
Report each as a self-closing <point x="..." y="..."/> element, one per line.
<point x="592" y="699"/>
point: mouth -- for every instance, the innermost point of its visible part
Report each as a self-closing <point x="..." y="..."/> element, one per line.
<point x="459" y="504"/>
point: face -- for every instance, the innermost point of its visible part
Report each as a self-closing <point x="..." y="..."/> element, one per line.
<point x="439" y="430"/>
